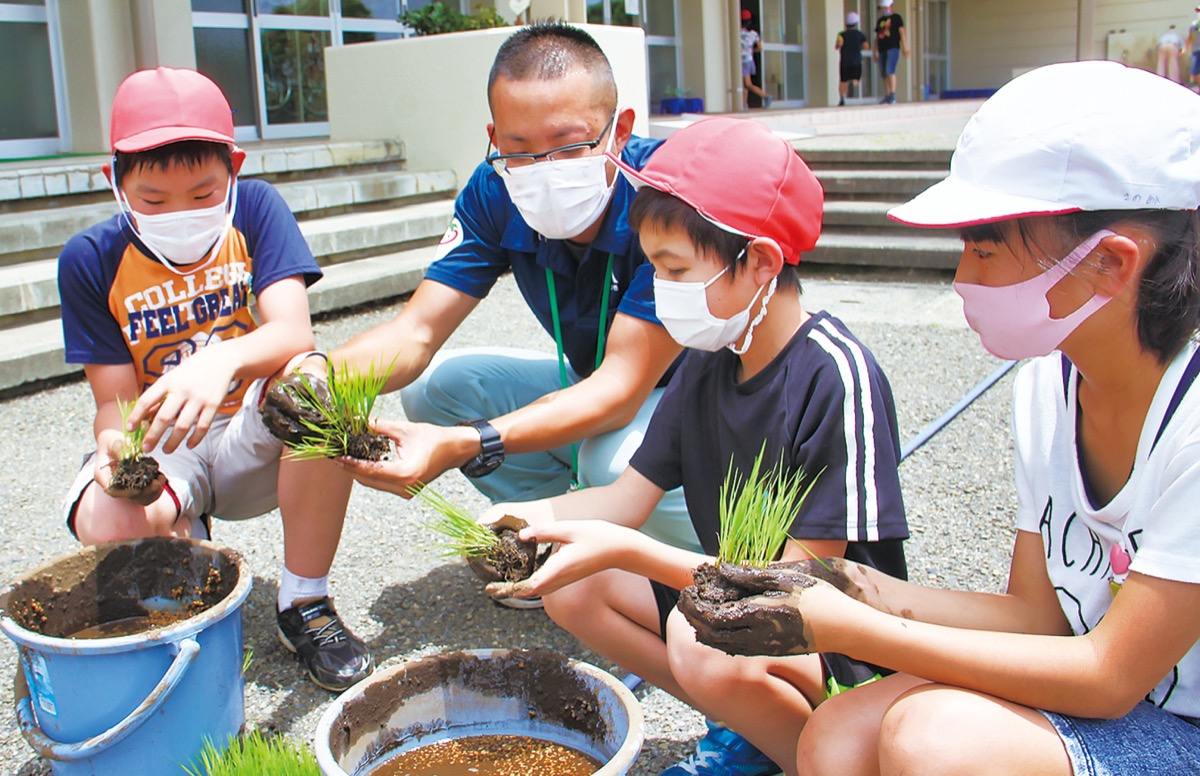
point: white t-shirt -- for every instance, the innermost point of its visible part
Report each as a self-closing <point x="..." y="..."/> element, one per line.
<point x="749" y="41"/>
<point x="1155" y="518"/>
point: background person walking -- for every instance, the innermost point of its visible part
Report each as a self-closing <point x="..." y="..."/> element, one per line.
<point x="850" y="44"/>
<point x="751" y="44"/>
<point x="891" y="40"/>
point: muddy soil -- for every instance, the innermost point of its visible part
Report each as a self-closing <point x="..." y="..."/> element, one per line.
<point x="368" y="447"/>
<point x="542" y="680"/>
<point x="512" y="560"/>
<point x="120" y="588"/>
<point x="492" y="755"/>
<point x="135" y="478"/>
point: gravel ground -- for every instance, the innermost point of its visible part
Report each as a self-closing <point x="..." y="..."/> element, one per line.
<point x="396" y="592"/>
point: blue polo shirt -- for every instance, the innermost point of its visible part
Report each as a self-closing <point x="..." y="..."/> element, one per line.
<point x="489" y="237"/>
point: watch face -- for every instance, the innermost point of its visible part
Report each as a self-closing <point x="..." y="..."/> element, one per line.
<point x="480" y="466"/>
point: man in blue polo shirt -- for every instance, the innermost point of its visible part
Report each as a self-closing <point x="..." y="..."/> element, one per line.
<point x="549" y="207"/>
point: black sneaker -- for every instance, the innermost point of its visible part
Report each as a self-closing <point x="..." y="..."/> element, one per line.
<point x="335" y="657"/>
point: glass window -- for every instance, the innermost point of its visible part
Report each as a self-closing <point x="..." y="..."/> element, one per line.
<point x="794" y="61"/>
<point x="610" y="12"/>
<point x="349" y="38"/>
<point x="294" y="7"/>
<point x="664" y="76"/>
<point x="371" y="9"/>
<point x="660" y="17"/>
<point x="26" y="103"/>
<point x="224" y="56"/>
<point x="219" y="6"/>
<point x="294" y="75"/>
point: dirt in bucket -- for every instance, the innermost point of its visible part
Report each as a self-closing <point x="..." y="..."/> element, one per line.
<point x="544" y="681"/>
<point x="121" y="588"/>
<point x="490" y="755"/>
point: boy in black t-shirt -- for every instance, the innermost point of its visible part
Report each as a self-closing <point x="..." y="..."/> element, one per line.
<point x="850" y="43"/>
<point x="724" y="208"/>
<point x="891" y="39"/>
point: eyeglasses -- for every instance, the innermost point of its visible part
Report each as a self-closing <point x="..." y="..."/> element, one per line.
<point x="502" y="163"/>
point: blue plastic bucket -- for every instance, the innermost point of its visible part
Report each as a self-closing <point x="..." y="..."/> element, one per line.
<point x="533" y="693"/>
<point x="143" y="703"/>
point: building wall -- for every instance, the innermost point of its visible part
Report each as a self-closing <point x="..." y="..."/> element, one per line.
<point x="993" y="40"/>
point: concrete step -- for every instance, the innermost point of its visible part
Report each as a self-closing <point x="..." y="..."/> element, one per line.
<point x="32" y="287"/>
<point x="914" y="251"/>
<point x="860" y="213"/>
<point x="888" y="185"/>
<point x="336" y="238"/>
<point x="34" y="352"/>
<point x="882" y="158"/>
<point x="25" y="184"/>
<point x="42" y="233"/>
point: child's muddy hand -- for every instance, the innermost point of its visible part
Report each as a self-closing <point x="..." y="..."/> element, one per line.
<point x="503" y="590"/>
<point x="787" y="575"/>
<point x="769" y="624"/>
<point x="285" y="413"/>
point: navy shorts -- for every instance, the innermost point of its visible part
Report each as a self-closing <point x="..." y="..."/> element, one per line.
<point x="851" y="72"/>
<point x="1145" y="741"/>
<point x="1195" y="63"/>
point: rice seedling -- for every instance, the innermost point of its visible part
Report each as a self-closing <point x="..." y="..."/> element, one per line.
<point x="131" y="439"/>
<point x="494" y="552"/>
<point x="343" y="415"/>
<point x="464" y="536"/>
<point x="254" y="754"/>
<point x="756" y="511"/>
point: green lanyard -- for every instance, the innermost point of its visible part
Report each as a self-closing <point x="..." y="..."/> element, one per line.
<point x="558" y="340"/>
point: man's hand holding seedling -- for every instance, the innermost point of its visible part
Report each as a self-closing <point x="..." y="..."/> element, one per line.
<point x="185" y="399"/>
<point x="423" y="453"/>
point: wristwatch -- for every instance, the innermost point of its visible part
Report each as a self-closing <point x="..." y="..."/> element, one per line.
<point x="492" y="455"/>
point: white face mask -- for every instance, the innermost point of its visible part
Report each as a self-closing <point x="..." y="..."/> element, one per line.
<point x="683" y="309"/>
<point x="184" y="237"/>
<point x="560" y="199"/>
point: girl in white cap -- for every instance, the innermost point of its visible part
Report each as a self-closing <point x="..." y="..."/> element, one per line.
<point x="1075" y="190"/>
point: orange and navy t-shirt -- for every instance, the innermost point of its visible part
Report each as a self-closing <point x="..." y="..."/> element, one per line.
<point x="121" y="305"/>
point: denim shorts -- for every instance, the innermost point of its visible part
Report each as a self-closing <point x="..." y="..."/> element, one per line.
<point x="888" y="60"/>
<point x="1146" y="741"/>
<point x="1195" y="63"/>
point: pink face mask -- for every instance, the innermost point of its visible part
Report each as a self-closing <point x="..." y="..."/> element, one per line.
<point x="1014" y="321"/>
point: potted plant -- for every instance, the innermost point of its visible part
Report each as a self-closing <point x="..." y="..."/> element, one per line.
<point x="437" y="18"/>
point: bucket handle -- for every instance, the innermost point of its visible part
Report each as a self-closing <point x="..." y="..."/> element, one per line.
<point x="63" y="752"/>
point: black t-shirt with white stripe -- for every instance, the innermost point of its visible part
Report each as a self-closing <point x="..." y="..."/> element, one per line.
<point x="824" y="404"/>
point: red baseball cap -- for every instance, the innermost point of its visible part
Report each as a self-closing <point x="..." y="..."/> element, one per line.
<point x="741" y="177"/>
<point x="746" y="14"/>
<point x="165" y="105"/>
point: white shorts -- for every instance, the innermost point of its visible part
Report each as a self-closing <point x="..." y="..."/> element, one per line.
<point x="231" y="475"/>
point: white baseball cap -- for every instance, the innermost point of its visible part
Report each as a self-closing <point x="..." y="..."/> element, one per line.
<point x="1063" y="138"/>
<point x="885" y="3"/>
<point x="852" y="18"/>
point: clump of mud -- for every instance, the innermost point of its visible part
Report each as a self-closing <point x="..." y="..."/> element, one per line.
<point x="512" y="559"/>
<point x="135" y="478"/>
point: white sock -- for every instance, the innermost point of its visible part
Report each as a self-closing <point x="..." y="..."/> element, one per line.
<point x="293" y="588"/>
